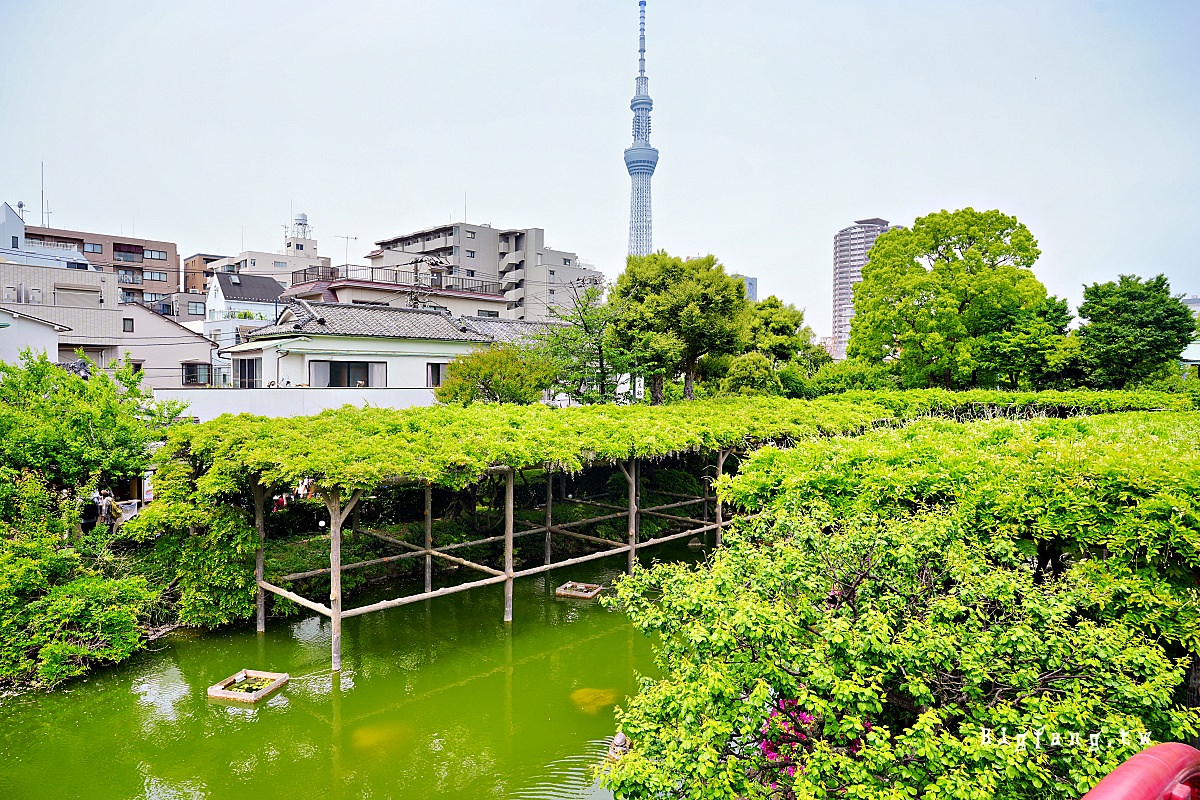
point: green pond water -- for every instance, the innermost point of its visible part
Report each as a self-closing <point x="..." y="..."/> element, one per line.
<point x="436" y="699"/>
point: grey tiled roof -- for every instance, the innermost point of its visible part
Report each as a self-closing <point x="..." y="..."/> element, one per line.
<point x="252" y="288"/>
<point x="346" y="319"/>
<point x="506" y="330"/>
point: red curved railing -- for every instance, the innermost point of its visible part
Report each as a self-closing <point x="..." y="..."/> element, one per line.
<point x="1169" y="771"/>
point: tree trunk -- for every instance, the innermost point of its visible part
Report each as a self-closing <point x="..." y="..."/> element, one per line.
<point x="689" y="380"/>
<point x="656" y="390"/>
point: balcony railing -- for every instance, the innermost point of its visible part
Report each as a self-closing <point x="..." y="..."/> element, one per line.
<point x="397" y="277"/>
<point x="45" y="245"/>
<point x="129" y="278"/>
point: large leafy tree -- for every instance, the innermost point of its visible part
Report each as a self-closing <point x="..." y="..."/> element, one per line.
<point x="1133" y="328"/>
<point x="777" y="330"/>
<point x="503" y="373"/>
<point x="937" y="298"/>
<point x="76" y="432"/>
<point x="589" y="367"/>
<point x="671" y="312"/>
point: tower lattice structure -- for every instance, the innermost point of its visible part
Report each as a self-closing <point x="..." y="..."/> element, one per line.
<point x="641" y="158"/>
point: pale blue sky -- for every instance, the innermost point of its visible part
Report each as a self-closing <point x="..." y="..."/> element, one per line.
<point x="778" y="123"/>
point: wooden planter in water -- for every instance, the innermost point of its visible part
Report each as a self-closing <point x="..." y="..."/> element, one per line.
<point x="581" y="591"/>
<point x="247" y="685"/>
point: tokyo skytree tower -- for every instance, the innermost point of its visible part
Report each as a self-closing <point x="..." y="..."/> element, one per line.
<point x="641" y="159"/>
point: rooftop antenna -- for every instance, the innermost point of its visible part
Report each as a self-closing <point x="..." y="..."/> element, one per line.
<point x="21" y="209"/>
<point x="348" y="239"/>
<point x="43" y="194"/>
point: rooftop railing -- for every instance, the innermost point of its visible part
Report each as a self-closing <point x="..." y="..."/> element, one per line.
<point x="398" y="277"/>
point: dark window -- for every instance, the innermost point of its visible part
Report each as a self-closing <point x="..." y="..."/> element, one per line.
<point x="91" y="247"/>
<point x="127" y="325"/>
<point x="299" y="246"/>
<point x="435" y="374"/>
<point x="247" y="373"/>
<point x="196" y="308"/>
<point x="197" y="374"/>
<point x="16" y="243"/>
<point x="486" y="313"/>
<point x="347" y="374"/>
<point x="127" y="252"/>
<point x="156" y="276"/>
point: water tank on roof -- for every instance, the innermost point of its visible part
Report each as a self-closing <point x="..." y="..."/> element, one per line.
<point x="302" y="219"/>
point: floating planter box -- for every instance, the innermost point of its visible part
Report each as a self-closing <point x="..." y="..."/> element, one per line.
<point x="583" y="591"/>
<point x="247" y="685"/>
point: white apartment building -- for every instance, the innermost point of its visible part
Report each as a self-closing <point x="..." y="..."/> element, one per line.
<point x="850" y="248"/>
<point x="299" y="253"/>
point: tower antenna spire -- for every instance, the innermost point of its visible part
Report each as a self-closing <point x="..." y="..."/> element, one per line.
<point x="641" y="158"/>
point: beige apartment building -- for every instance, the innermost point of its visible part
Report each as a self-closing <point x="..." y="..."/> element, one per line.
<point x="512" y="266"/>
<point x="146" y="270"/>
<point x="198" y="271"/>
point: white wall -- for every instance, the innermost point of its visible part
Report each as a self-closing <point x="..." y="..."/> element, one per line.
<point x="206" y="404"/>
<point x="22" y="333"/>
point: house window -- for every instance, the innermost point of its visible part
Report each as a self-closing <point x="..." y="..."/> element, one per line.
<point x="16" y="245"/>
<point x="157" y="255"/>
<point x="156" y="276"/>
<point x="552" y="276"/>
<point x="35" y="296"/>
<point x="566" y="262"/>
<point x="10" y="294"/>
<point x="470" y="273"/>
<point x="127" y="252"/>
<point x="197" y="374"/>
<point x="347" y="374"/>
<point x="247" y="373"/>
<point x="470" y="254"/>
<point x="252" y="262"/>
<point x="435" y="374"/>
<point x="470" y="234"/>
<point x="128" y="276"/>
<point x="280" y="265"/>
<point x="127" y="325"/>
<point x="92" y="247"/>
<point x="299" y="246"/>
<point x="151" y="297"/>
<point x="551" y="295"/>
<point x="483" y="312"/>
<point x="196" y="308"/>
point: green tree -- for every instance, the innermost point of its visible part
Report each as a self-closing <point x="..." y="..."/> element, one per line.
<point x="671" y="312"/>
<point x="777" y="330"/>
<point x="933" y="298"/>
<point x="1133" y="328"/>
<point x="588" y="365"/>
<point x="752" y="373"/>
<point x="77" y="433"/>
<point x="502" y="373"/>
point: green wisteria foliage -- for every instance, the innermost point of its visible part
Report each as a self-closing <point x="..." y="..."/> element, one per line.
<point x="992" y="609"/>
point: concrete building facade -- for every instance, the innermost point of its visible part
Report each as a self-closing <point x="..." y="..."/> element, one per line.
<point x="146" y="270"/>
<point x="850" y="248"/>
<point x="299" y="253"/>
<point x="508" y="266"/>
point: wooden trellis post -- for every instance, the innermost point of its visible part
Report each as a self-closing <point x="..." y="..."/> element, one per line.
<point x="508" y="545"/>
<point x="428" y="537"/>
<point x="721" y="456"/>
<point x="631" y="476"/>
<point x="337" y="516"/>
<point x="549" y="508"/>
<point x="260" y="525"/>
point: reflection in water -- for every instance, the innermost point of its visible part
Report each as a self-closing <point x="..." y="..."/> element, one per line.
<point x="592" y="701"/>
<point x="438" y="699"/>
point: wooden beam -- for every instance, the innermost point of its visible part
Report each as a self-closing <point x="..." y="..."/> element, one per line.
<point x="295" y="598"/>
<point x="571" y="561"/>
<point x="549" y="509"/>
<point x="463" y="562"/>
<point x="403" y="601"/>
<point x="312" y="573"/>
<point x="573" y="534"/>
<point x="631" y="476"/>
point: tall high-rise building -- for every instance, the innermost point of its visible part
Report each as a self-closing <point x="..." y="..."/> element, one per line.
<point x="850" y="248"/>
<point x="641" y="158"/>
